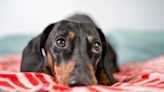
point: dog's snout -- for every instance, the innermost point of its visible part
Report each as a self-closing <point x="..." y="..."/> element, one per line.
<point x="74" y="82"/>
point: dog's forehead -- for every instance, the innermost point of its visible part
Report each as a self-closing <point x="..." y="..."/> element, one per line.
<point x="77" y="28"/>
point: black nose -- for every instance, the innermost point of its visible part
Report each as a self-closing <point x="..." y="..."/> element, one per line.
<point x="73" y="83"/>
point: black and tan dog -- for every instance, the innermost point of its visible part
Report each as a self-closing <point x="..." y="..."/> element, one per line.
<point x="74" y="51"/>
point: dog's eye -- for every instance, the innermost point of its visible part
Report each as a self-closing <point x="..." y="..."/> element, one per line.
<point x="97" y="47"/>
<point x="61" y="42"/>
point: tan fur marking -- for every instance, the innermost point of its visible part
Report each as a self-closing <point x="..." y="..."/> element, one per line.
<point x="71" y="35"/>
<point x="63" y="72"/>
<point x="103" y="79"/>
<point x="50" y="60"/>
<point x="90" y="38"/>
<point x="92" y="72"/>
<point x="50" y="63"/>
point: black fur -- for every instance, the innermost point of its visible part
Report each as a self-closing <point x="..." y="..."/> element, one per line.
<point x="34" y="60"/>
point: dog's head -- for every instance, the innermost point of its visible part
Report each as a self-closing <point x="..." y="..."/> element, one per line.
<point x="72" y="50"/>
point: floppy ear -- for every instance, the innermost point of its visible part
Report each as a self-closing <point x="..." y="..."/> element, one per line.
<point x="107" y="63"/>
<point x="33" y="59"/>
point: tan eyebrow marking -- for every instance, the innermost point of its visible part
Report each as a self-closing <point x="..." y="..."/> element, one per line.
<point x="71" y="35"/>
<point x="90" y="38"/>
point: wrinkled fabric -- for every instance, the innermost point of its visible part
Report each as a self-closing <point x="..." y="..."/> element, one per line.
<point x="147" y="76"/>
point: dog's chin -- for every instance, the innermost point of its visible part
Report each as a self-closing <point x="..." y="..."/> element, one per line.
<point x="67" y="85"/>
<point x="62" y="83"/>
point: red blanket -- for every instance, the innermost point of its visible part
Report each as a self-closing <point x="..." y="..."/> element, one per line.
<point x="145" y="76"/>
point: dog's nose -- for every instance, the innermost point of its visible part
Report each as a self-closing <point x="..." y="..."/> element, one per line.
<point x="73" y="83"/>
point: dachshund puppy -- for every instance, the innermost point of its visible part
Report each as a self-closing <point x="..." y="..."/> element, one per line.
<point x="73" y="50"/>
